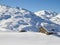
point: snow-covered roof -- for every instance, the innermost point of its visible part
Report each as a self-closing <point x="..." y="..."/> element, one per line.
<point x="48" y="27"/>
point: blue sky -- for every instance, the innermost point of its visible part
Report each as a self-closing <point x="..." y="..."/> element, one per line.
<point x="34" y="5"/>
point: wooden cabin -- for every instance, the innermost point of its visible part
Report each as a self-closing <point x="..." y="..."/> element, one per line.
<point x="46" y="31"/>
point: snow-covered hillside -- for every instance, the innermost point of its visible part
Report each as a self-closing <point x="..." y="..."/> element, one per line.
<point x="46" y="14"/>
<point x="52" y="19"/>
<point x="28" y="38"/>
<point x="56" y="19"/>
<point x="16" y="19"/>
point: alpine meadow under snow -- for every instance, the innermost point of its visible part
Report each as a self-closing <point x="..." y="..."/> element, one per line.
<point x="13" y="20"/>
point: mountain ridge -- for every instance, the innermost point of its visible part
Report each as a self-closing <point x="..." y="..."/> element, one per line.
<point x="16" y="19"/>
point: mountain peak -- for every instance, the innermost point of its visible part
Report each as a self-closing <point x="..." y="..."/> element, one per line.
<point x="46" y="14"/>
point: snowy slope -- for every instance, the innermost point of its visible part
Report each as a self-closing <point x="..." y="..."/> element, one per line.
<point x="56" y="19"/>
<point x="44" y="14"/>
<point x="16" y="19"/>
<point x="28" y="38"/>
<point x="52" y="19"/>
<point x="50" y="26"/>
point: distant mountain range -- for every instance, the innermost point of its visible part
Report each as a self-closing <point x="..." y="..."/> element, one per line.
<point x="16" y="19"/>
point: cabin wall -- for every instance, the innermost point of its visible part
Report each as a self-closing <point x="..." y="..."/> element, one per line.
<point x="42" y="30"/>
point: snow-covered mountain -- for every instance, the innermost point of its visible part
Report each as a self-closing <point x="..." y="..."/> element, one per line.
<point x="44" y="14"/>
<point x="56" y="19"/>
<point x="16" y="19"/>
